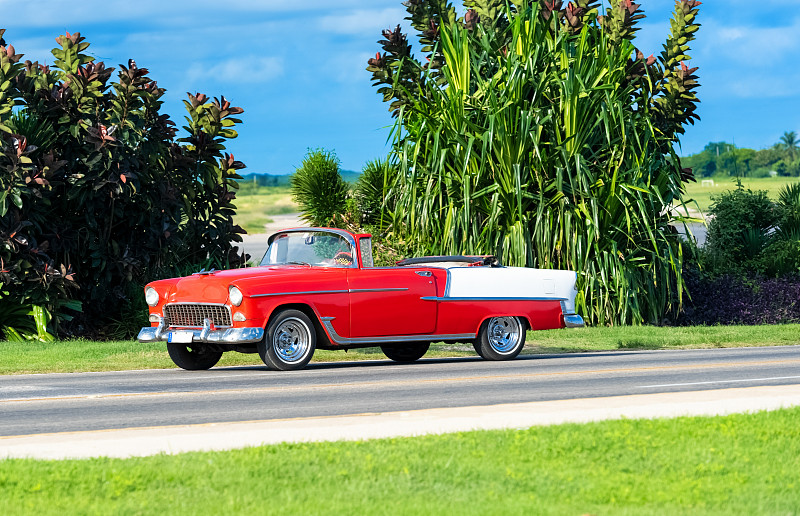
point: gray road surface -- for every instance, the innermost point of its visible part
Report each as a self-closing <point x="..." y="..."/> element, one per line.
<point x="33" y="404"/>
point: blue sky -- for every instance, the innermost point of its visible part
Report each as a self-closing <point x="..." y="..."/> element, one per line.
<point x="297" y="67"/>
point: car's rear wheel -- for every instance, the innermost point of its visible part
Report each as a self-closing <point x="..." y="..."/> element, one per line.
<point x="193" y="357"/>
<point x="500" y="338"/>
<point x="289" y="342"/>
<point x="406" y="353"/>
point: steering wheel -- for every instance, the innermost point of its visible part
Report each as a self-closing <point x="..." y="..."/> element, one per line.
<point x="343" y="258"/>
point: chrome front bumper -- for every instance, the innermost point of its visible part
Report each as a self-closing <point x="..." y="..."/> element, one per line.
<point x="573" y="321"/>
<point x="206" y="334"/>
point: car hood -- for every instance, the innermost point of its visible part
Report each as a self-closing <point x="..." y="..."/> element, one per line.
<point x="213" y="287"/>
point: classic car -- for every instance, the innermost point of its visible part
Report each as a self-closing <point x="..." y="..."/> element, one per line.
<point x="317" y="288"/>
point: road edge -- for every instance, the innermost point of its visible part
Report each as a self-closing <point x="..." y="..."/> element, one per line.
<point x="139" y="442"/>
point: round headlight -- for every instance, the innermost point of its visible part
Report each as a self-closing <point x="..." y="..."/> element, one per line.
<point x="151" y="296"/>
<point x="235" y="295"/>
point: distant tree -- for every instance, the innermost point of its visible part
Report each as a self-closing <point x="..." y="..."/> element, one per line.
<point x="703" y="163"/>
<point x="742" y="160"/>
<point x="721" y="158"/>
<point x="725" y="159"/>
<point x="789" y="142"/>
<point x="767" y="158"/>
<point x="719" y="148"/>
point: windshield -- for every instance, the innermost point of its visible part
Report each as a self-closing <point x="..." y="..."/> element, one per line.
<point x="309" y="248"/>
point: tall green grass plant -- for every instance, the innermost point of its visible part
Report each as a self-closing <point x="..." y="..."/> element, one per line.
<point x="544" y="137"/>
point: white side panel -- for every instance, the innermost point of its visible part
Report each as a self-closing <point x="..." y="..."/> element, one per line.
<point x="512" y="282"/>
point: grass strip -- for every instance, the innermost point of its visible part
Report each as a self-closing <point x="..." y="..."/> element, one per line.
<point x="738" y="464"/>
<point x="253" y="211"/>
<point x="703" y="193"/>
<point x="82" y="356"/>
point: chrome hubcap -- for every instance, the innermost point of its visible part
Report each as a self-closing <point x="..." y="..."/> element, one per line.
<point x="292" y="340"/>
<point x="504" y="334"/>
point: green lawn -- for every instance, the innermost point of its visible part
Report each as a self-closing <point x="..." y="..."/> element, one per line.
<point x="702" y="194"/>
<point x="740" y="464"/>
<point x="253" y="211"/>
<point x="75" y="356"/>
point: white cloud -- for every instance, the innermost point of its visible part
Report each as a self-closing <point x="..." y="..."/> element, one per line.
<point x="752" y="46"/>
<point x="67" y="13"/>
<point x="746" y="61"/>
<point x="362" y="21"/>
<point x="248" y="69"/>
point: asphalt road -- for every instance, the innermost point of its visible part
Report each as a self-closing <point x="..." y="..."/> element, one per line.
<point x="33" y="404"/>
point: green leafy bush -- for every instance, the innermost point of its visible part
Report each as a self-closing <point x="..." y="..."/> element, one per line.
<point x="319" y="189"/>
<point x="779" y="258"/>
<point x="740" y="228"/>
<point x="24" y="322"/>
<point x="95" y="190"/>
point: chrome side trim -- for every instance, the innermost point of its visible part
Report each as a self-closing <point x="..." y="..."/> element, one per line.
<point x="358" y="290"/>
<point x="342" y="341"/>
<point x="445" y="298"/>
<point x="350" y="291"/>
<point x="301" y="293"/>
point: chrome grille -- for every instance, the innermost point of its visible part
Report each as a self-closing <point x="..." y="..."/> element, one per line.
<point x="193" y="314"/>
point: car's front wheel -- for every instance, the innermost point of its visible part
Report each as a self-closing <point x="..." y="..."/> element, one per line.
<point x="407" y="353"/>
<point x="289" y="342"/>
<point x="500" y="338"/>
<point x="193" y="357"/>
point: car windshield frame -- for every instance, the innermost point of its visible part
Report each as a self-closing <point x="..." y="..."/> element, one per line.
<point x="315" y="247"/>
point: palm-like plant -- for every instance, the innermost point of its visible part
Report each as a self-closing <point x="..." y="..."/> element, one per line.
<point x="790" y="143"/>
<point x="319" y="189"/>
<point x="370" y="191"/>
<point x="545" y="137"/>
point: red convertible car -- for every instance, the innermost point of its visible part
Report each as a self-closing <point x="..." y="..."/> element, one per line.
<point x="318" y="288"/>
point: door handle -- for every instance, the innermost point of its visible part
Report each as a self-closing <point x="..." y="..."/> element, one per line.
<point x="426" y="274"/>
